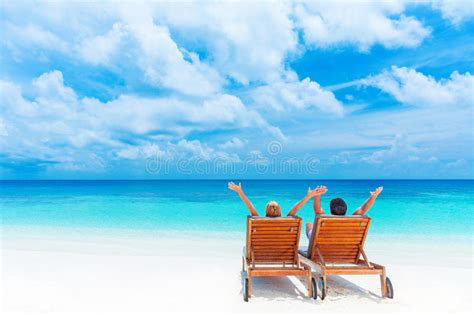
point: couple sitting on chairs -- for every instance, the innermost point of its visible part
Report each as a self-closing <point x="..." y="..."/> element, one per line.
<point x="337" y="205"/>
<point x="334" y="242"/>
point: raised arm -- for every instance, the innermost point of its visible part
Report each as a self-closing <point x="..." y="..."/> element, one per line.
<point x="317" y="201"/>
<point x="369" y="202"/>
<point x="238" y="190"/>
<point x="311" y="193"/>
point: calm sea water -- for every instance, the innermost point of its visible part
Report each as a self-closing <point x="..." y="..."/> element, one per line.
<point x="404" y="207"/>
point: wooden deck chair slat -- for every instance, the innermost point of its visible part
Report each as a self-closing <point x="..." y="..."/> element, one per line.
<point x="334" y="233"/>
<point x="337" y="241"/>
<point x="289" y="236"/>
<point x="274" y="242"/>
<point x="263" y="244"/>
<point x="281" y="232"/>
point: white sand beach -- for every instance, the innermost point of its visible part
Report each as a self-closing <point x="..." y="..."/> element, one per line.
<point x="78" y="272"/>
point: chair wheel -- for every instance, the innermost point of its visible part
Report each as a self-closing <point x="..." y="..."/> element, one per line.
<point x="315" y="288"/>
<point x="389" y="288"/>
<point x="322" y="287"/>
<point x="246" y="289"/>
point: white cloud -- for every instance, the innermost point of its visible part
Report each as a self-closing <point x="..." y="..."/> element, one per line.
<point x="50" y="126"/>
<point x="194" y="47"/>
<point x="3" y="129"/>
<point x="183" y="62"/>
<point x="399" y="148"/>
<point x="457" y="11"/>
<point x="59" y="119"/>
<point x="234" y="143"/>
<point x="10" y="93"/>
<point x="401" y="141"/>
<point x="358" y="23"/>
<point x="229" y="110"/>
<point x="457" y="163"/>
<point x="129" y="43"/>
<point x="139" y="115"/>
<point x="51" y="85"/>
<point x="31" y="35"/>
<point x="414" y="88"/>
<point x="247" y="42"/>
<point x="195" y="148"/>
<point x="166" y="65"/>
<point x="173" y="152"/>
<point x="144" y="150"/>
<point x="204" y="158"/>
<point x="285" y="96"/>
<point x="99" y="49"/>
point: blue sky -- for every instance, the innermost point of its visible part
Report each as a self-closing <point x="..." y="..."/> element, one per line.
<point x="295" y="89"/>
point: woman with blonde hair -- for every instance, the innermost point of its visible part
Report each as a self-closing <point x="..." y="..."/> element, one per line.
<point x="272" y="209"/>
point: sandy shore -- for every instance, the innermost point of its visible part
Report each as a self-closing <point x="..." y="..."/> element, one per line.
<point x="93" y="274"/>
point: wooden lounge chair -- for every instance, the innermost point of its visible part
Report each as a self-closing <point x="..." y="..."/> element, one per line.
<point x="336" y="247"/>
<point x="272" y="250"/>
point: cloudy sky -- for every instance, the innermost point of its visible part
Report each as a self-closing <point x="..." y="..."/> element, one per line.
<point x="300" y="89"/>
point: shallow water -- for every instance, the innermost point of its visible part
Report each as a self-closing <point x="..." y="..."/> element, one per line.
<point x="404" y="207"/>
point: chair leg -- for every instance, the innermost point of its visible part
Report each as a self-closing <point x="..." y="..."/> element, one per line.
<point x="383" y="283"/>
<point x="250" y="285"/>
<point x="310" y="286"/>
<point x="325" y="284"/>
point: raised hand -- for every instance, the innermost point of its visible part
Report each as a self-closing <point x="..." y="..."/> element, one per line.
<point x="319" y="190"/>
<point x="238" y="190"/>
<point x="377" y="191"/>
<point x="234" y="187"/>
<point x="369" y="202"/>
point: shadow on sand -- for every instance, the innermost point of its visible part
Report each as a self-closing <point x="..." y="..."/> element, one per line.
<point x="294" y="288"/>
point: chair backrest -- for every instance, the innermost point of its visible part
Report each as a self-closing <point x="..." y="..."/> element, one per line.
<point x="339" y="239"/>
<point x="273" y="240"/>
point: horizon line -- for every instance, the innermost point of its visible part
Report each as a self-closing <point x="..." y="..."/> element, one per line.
<point x="249" y="179"/>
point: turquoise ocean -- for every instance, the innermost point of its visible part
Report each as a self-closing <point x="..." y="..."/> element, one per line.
<point x="405" y="207"/>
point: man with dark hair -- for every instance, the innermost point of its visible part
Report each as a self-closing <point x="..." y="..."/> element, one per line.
<point x="338" y="206"/>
